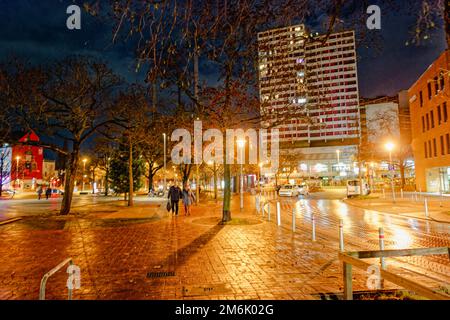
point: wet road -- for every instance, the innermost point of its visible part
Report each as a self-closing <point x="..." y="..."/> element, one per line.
<point x="28" y="207"/>
<point x="361" y="230"/>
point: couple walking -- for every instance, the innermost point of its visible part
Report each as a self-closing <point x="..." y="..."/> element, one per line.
<point x="175" y="194"/>
<point x="40" y="191"/>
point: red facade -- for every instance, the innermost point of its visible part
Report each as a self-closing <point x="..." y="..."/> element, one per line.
<point x="27" y="160"/>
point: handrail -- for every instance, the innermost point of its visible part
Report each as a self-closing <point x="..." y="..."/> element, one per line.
<point x="350" y="259"/>
<point x="49" y="274"/>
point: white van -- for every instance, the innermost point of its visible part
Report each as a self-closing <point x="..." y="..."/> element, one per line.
<point x="354" y="189"/>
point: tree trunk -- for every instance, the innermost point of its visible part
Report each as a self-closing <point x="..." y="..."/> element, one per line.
<point x="130" y="174"/>
<point x="1" y="175"/>
<point x="107" y="179"/>
<point x="196" y="108"/>
<point x="93" y="180"/>
<point x="150" y="177"/>
<point x="226" y="214"/>
<point x="401" y="167"/>
<point x="226" y="211"/>
<point x="69" y="180"/>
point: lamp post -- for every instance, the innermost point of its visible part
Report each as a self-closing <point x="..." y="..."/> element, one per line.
<point x="260" y="165"/>
<point x="17" y="171"/>
<point x="107" y="176"/>
<point x="213" y="164"/>
<point x="164" y="138"/>
<point x="241" y="145"/>
<point x="84" y="170"/>
<point x="389" y="147"/>
<point x="371" y="174"/>
<point x="337" y="154"/>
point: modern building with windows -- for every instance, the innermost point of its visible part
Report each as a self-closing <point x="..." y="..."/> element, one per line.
<point x="429" y="103"/>
<point x="308" y="88"/>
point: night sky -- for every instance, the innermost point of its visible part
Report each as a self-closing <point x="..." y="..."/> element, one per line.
<point x="37" y="30"/>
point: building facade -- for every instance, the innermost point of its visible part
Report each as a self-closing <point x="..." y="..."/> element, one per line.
<point x="429" y="103"/>
<point x="387" y="119"/>
<point x="308" y="89"/>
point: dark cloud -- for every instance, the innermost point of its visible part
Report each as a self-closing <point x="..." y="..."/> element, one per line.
<point x="37" y="30"/>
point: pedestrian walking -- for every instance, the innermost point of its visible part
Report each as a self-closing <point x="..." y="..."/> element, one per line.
<point x="39" y="192"/>
<point x="174" y="197"/>
<point x="188" y="199"/>
<point x="48" y="193"/>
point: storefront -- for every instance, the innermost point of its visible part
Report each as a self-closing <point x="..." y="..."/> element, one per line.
<point x="438" y="179"/>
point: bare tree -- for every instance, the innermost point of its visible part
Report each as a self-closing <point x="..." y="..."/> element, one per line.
<point x="74" y="100"/>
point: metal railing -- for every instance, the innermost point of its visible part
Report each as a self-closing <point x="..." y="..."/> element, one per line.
<point x="49" y="274"/>
<point x="350" y="259"/>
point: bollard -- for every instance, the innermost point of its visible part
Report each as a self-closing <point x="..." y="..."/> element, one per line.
<point x="278" y="214"/>
<point x="268" y="210"/>
<point x="313" y="227"/>
<point x="426" y="207"/>
<point x="384" y="194"/>
<point x="415" y="195"/>
<point x="293" y="219"/>
<point x="257" y="204"/>
<point x="420" y="193"/>
<point x="341" y="235"/>
<point x="401" y="193"/>
<point x="381" y="241"/>
<point x="263" y="208"/>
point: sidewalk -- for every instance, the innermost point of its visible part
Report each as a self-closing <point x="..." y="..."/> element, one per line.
<point x="409" y="206"/>
<point x="180" y="257"/>
<point x="145" y="253"/>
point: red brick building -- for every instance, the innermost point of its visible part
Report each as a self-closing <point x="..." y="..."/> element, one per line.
<point x="429" y="103"/>
<point x="27" y="163"/>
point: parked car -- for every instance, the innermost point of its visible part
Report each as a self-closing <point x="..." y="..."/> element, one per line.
<point x="288" y="190"/>
<point x="303" y="189"/>
<point x="58" y="191"/>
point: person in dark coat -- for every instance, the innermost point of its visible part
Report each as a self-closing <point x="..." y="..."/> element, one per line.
<point x="48" y="193"/>
<point x="39" y="192"/>
<point x="174" y="196"/>
<point x="188" y="199"/>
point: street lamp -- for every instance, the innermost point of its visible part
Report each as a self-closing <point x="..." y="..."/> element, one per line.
<point x="260" y="165"/>
<point x="164" y="138"/>
<point x="17" y="170"/>
<point x="337" y="154"/>
<point x="241" y="145"/>
<point x="107" y="176"/>
<point x="213" y="163"/>
<point x="389" y="147"/>
<point x="84" y="170"/>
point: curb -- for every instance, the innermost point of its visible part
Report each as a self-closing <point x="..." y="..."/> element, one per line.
<point x="394" y="214"/>
<point x="9" y="221"/>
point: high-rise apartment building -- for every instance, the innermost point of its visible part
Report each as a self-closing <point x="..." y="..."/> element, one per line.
<point x="309" y="90"/>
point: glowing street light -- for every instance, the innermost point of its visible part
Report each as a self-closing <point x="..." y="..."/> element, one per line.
<point x="17" y="169"/>
<point x="84" y="176"/>
<point x="389" y="147"/>
<point x="337" y="154"/>
<point x="241" y="145"/>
